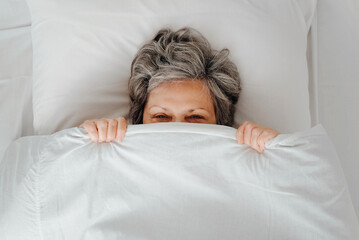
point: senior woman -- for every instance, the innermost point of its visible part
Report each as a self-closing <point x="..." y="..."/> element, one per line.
<point x="178" y="77"/>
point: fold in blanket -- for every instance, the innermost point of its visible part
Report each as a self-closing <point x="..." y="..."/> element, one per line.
<point x="174" y="181"/>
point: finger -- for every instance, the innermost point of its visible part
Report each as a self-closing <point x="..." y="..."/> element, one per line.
<point x="91" y="128"/>
<point x="121" y="128"/>
<point x="260" y="141"/>
<point x="256" y="132"/>
<point x="82" y="125"/>
<point x="111" y="130"/>
<point x="248" y="133"/>
<point x="266" y="136"/>
<point x="240" y="132"/>
<point x="102" y="129"/>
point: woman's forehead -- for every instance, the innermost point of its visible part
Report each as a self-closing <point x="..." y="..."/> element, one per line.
<point x="187" y="93"/>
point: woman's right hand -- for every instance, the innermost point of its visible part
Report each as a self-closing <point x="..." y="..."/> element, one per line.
<point x="105" y="129"/>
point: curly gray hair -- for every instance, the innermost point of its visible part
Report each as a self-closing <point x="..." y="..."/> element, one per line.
<point x="184" y="54"/>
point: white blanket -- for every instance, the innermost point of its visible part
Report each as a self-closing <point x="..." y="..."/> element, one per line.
<point x="174" y="181"/>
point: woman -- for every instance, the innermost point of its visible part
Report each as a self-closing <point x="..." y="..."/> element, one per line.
<point x="178" y="77"/>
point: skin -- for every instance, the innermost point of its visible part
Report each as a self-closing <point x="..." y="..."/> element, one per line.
<point x="185" y="101"/>
<point x="180" y="101"/>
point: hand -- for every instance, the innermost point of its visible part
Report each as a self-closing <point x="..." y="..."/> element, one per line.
<point x="254" y="135"/>
<point x="105" y="129"/>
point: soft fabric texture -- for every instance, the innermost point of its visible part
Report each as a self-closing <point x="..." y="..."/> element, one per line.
<point x="14" y="14"/>
<point x="174" y="181"/>
<point x="338" y="82"/>
<point x="83" y="50"/>
<point x="15" y="84"/>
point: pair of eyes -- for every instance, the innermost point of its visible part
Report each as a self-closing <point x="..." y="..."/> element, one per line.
<point x="164" y="116"/>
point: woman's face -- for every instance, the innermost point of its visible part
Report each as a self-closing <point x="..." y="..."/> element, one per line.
<point x="183" y="101"/>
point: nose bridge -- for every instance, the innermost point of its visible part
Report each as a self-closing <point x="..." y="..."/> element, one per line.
<point x="179" y="118"/>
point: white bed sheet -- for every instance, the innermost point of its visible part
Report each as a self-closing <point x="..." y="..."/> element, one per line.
<point x="335" y="82"/>
<point x="174" y="181"/>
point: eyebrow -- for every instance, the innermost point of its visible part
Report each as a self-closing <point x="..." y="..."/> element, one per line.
<point x="191" y="110"/>
<point x="158" y="107"/>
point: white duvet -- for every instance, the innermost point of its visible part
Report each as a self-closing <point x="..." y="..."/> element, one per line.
<point x="174" y="181"/>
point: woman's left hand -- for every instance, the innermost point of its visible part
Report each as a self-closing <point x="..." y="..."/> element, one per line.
<point x="254" y="135"/>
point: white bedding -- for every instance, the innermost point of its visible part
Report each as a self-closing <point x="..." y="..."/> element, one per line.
<point x="174" y="181"/>
<point x="335" y="69"/>
<point x="15" y="84"/>
<point x="338" y="82"/>
<point x="81" y="44"/>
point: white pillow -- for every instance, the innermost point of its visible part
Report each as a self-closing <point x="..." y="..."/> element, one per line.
<point x="83" y="51"/>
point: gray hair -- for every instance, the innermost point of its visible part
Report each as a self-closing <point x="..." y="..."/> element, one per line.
<point x="184" y="54"/>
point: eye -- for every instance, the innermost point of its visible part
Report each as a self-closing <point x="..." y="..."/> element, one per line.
<point x="197" y="117"/>
<point x="161" y="116"/>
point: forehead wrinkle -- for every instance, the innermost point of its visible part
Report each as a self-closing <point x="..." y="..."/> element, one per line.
<point x="166" y="100"/>
<point x="158" y="107"/>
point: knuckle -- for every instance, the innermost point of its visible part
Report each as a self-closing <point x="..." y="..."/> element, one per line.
<point x="255" y="131"/>
<point x="249" y="125"/>
<point x="101" y="124"/>
<point x="112" y="123"/>
<point x="85" y="125"/>
<point x="268" y="130"/>
<point x="89" y="126"/>
<point x="122" y="122"/>
<point x="122" y="127"/>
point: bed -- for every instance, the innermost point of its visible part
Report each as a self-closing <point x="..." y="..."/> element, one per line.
<point x="34" y="99"/>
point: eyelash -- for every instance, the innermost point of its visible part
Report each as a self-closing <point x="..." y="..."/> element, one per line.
<point x="197" y="117"/>
<point x="162" y="116"/>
